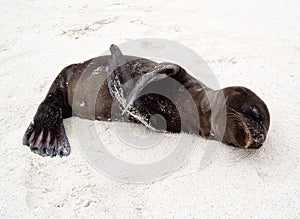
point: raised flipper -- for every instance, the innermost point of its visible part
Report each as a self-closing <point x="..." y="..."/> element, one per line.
<point x="118" y="74"/>
<point x="127" y="89"/>
<point x="160" y="72"/>
<point x="46" y="133"/>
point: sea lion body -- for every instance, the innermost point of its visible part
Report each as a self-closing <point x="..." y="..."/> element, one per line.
<point x="83" y="90"/>
<point x="88" y="80"/>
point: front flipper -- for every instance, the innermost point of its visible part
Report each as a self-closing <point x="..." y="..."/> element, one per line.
<point x="46" y="134"/>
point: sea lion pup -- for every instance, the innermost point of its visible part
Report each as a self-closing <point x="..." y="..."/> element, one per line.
<point x="76" y="92"/>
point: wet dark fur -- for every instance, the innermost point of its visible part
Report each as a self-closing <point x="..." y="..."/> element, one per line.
<point x="247" y="120"/>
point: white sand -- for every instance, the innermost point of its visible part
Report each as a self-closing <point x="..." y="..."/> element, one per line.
<point x="251" y="43"/>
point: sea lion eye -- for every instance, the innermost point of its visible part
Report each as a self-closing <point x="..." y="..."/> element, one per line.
<point x="255" y="112"/>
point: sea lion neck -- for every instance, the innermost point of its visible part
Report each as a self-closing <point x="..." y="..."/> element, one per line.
<point x="212" y="112"/>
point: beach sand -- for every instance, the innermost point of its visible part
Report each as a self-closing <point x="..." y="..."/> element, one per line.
<point x="255" y="44"/>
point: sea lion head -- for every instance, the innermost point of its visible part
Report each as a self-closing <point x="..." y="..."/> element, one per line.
<point x="247" y="118"/>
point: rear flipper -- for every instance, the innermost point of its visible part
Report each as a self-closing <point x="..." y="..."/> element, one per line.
<point x="46" y="133"/>
<point x="127" y="89"/>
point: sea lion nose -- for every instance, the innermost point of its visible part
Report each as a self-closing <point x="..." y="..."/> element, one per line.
<point x="260" y="138"/>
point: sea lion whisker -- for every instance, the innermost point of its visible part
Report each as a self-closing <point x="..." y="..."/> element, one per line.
<point x="245" y="154"/>
<point x="234" y="115"/>
<point x="250" y="153"/>
<point x="230" y="108"/>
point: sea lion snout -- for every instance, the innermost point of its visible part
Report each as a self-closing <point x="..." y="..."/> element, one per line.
<point x="259" y="139"/>
<point x="256" y="141"/>
<point x="258" y="135"/>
